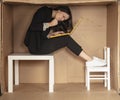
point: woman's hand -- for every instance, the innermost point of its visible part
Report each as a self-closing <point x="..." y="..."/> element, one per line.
<point x="54" y="22"/>
<point x="54" y="33"/>
<point x="58" y="32"/>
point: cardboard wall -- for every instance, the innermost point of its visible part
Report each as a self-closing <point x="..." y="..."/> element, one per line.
<point x="59" y="1"/>
<point x="7" y="39"/>
<point x="91" y="35"/>
<point x="119" y="46"/>
<point x="1" y="67"/>
<point x="113" y="42"/>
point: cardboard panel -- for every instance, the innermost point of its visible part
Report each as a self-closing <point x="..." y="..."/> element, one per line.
<point x="112" y="42"/>
<point x="99" y="26"/>
<point x="119" y="46"/>
<point x="60" y="1"/>
<point x="68" y="67"/>
<point x="1" y="67"/>
<point x="7" y="46"/>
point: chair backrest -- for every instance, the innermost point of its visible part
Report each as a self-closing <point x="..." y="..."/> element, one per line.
<point x="107" y="56"/>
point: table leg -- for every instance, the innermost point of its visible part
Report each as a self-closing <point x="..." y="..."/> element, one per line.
<point x="16" y="72"/>
<point x="10" y="75"/>
<point x="51" y="75"/>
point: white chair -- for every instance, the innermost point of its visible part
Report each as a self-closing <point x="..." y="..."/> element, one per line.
<point x="92" y="75"/>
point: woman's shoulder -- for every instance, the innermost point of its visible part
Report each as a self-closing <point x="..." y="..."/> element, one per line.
<point x="42" y="13"/>
<point x="43" y="9"/>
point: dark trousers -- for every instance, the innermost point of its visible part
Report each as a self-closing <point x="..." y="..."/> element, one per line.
<point x="53" y="44"/>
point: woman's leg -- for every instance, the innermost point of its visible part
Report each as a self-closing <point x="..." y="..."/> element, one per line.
<point x="85" y="56"/>
<point x="51" y="45"/>
<point x="54" y="44"/>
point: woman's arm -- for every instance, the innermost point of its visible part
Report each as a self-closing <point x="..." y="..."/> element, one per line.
<point x="39" y="18"/>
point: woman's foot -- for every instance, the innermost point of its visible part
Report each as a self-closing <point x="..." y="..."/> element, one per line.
<point x="96" y="62"/>
<point x="99" y="59"/>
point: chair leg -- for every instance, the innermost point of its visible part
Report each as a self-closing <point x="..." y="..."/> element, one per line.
<point x="88" y="81"/>
<point x="108" y="86"/>
<point x="105" y="81"/>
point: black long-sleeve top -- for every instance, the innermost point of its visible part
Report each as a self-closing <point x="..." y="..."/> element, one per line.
<point x="35" y="34"/>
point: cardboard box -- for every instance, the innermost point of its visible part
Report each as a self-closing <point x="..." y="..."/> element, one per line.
<point x="99" y="27"/>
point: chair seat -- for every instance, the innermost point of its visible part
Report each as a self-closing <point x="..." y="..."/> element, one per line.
<point x="97" y="69"/>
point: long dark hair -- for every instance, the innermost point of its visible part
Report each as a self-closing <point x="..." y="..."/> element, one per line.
<point x="65" y="26"/>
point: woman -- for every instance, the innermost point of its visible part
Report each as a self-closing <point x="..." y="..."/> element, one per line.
<point x="48" y="21"/>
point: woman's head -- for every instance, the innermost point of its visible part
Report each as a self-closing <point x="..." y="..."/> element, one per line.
<point x="64" y="16"/>
<point x="63" y="13"/>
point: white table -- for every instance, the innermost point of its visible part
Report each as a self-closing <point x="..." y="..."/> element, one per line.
<point x="15" y="57"/>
